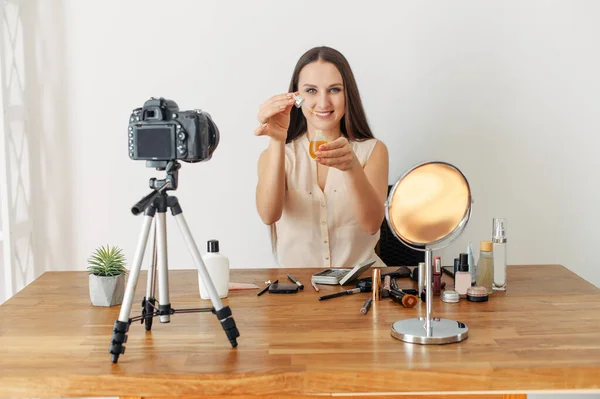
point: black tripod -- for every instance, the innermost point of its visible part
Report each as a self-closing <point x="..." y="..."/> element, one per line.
<point x="158" y="201"/>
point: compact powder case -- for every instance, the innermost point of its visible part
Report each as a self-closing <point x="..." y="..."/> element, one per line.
<point x="450" y="296"/>
<point x="477" y="294"/>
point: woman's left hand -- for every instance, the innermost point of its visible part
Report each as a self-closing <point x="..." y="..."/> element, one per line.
<point x="337" y="154"/>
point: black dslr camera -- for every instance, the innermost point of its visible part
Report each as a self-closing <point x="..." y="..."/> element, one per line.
<point x="158" y="131"/>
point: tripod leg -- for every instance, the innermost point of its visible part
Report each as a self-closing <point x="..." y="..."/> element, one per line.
<point x="223" y="313"/>
<point x="164" y="304"/>
<point x="149" y="302"/>
<point x="121" y="325"/>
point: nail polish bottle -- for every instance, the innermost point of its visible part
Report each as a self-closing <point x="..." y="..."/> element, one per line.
<point x="462" y="279"/>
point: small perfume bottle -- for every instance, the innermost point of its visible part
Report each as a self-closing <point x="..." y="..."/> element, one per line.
<point x="462" y="279"/>
<point x="499" y="248"/>
<point x="315" y="142"/>
<point x="485" y="266"/>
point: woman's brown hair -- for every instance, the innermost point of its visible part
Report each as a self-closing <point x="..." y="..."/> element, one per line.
<point x="354" y="125"/>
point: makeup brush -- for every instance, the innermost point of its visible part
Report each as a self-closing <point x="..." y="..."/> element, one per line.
<point x="407" y="300"/>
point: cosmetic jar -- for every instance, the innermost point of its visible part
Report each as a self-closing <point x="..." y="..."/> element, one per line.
<point x="477" y="294"/>
<point x="450" y="296"/>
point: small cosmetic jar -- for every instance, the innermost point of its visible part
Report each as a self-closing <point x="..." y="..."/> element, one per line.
<point x="450" y="296"/>
<point x="477" y="294"/>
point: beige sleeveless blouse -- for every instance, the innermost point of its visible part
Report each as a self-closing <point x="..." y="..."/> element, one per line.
<point x="317" y="227"/>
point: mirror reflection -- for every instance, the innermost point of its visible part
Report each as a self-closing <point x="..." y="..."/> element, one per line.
<point x="428" y="203"/>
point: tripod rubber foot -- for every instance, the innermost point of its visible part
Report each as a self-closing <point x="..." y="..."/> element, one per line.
<point x="231" y="331"/>
<point x="119" y="337"/>
<point x="228" y="324"/>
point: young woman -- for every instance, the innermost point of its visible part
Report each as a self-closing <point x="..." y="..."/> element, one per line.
<point x="327" y="211"/>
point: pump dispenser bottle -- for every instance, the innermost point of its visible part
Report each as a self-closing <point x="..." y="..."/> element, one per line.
<point x="462" y="279"/>
<point x="499" y="253"/>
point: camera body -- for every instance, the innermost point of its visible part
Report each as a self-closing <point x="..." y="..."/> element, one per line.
<point x="158" y="131"/>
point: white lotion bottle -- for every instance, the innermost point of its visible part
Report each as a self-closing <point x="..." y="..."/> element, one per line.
<point x="217" y="266"/>
<point x="499" y="253"/>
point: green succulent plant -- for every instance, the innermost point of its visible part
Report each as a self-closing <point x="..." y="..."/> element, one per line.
<point x="107" y="262"/>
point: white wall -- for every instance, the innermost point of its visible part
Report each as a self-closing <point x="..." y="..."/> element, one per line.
<point x="36" y="228"/>
<point x="505" y="90"/>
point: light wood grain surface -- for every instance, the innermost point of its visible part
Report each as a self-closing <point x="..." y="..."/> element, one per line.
<point x="542" y="334"/>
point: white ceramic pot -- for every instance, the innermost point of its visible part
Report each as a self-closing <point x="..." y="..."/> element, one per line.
<point x="107" y="291"/>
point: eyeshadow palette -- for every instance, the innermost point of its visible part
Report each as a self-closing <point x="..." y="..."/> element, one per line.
<point x="335" y="276"/>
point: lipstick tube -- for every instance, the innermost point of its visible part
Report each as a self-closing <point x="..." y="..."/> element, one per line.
<point x="376" y="285"/>
<point x="437" y="276"/>
<point x="387" y="286"/>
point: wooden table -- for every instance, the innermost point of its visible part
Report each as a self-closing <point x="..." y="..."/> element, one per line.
<point x="543" y="334"/>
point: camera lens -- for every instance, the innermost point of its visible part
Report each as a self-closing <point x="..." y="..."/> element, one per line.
<point x="214" y="135"/>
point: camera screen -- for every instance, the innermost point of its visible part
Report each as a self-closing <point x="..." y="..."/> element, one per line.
<point x="156" y="142"/>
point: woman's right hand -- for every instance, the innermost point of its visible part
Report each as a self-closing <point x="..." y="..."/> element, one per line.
<point x="274" y="117"/>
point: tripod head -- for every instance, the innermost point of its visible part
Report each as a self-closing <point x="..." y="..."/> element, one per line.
<point x="159" y="187"/>
<point x="172" y="169"/>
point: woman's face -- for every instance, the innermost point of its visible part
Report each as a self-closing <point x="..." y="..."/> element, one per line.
<point x="321" y="85"/>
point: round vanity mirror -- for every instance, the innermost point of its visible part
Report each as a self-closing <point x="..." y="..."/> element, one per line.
<point x="427" y="208"/>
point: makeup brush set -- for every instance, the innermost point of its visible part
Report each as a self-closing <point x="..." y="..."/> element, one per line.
<point x="389" y="287"/>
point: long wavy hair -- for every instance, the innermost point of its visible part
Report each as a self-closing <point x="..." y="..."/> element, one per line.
<point x="354" y="125"/>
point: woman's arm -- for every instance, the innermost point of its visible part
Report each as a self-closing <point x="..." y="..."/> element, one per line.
<point x="367" y="187"/>
<point x="274" y="116"/>
<point x="270" y="189"/>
